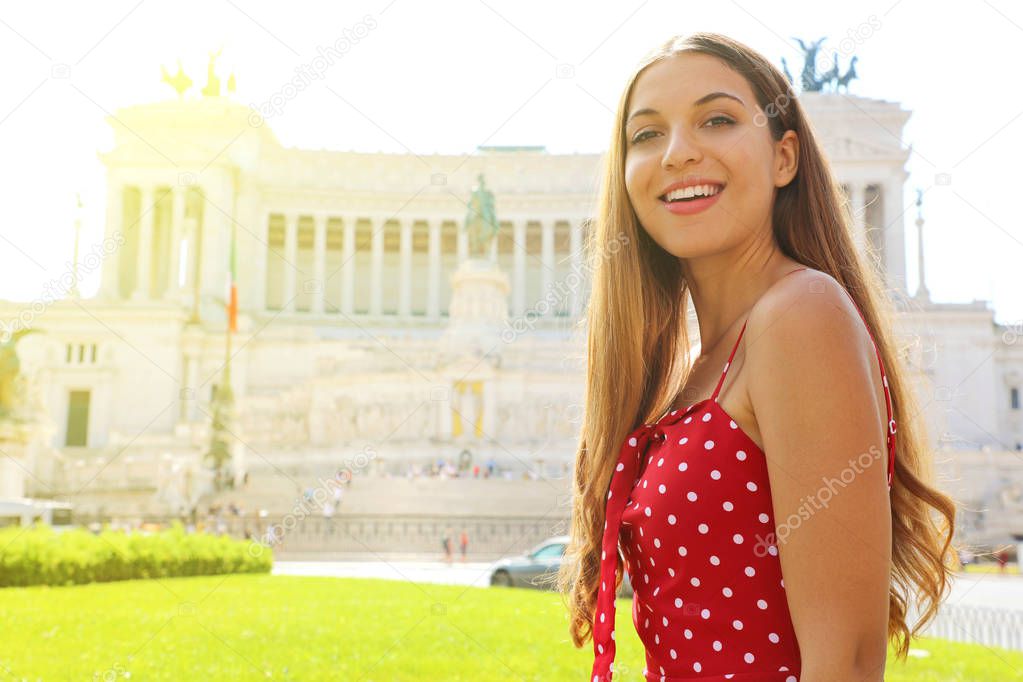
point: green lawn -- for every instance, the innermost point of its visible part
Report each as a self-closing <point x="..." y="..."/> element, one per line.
<point x="249" y="627"/>
<point x="1010" y="569"/>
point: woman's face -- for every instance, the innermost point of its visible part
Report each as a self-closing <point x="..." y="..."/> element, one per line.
<point x="681" y="131"/>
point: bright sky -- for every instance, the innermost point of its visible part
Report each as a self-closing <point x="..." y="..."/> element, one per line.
<point x="428" y="80"/>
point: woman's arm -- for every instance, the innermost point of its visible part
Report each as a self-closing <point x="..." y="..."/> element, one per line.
<point x="815" y="388"/>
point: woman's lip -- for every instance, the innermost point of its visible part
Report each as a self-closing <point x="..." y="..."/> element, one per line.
<point x="691" y="207"/>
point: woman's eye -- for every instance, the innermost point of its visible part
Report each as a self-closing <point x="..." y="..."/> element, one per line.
<point x="639" y="137"/>
<point x="720" y="118"/>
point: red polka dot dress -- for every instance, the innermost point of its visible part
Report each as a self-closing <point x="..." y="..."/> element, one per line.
<point x="690" y="502"/>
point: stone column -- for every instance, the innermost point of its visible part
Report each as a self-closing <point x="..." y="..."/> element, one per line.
<point x="192" y="264"/>
<point x="177" y="233"/>
<point x="319" y="261"/>
<point x="114" y="227"/>
<point x="857" y="196"/>
<point x="262" y="254"/>
<point x="433" y="278"/>
<point x="578" y="277"/>
<point x="145" y="228"/>
<point x="519" y="265"/>
<point x="377" y="266"/>
<point x="290" y="256"/>
<point x="405" y="269"/>
<point x="894" y="256"/>
<point x="547" y="257"/>
<point x="348" y="265"/>
<point x="463" y="241"/>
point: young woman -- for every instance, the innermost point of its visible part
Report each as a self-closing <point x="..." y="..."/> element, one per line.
<point x="771" y="529"/>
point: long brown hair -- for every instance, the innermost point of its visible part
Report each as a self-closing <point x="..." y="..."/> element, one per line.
<point x="638" y="348"/>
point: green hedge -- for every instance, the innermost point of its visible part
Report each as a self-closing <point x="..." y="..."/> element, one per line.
<point x="41" y="556"/>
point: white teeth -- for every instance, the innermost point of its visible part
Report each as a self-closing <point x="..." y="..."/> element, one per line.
<point x="690" y="192"/>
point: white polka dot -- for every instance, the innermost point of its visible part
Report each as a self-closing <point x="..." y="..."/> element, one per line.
<point x="716" y="475"/>
<point x="774" y="637"/>
<point x="761" y="604"/>
<point x="696" y="666"/>
<point x="683" y="440"/>
<point x="620" y="467"/>
<point x="728" y="505"/>
<point x="612" y="634"/>
<point x="705" y="614"/>
<point x="732" y="424"/>
<point x="717" y="645"/>
<point x="740" y="455"/>
<point x="600" y="648"/>
<point x="709" y="445"/>
<point x="672" y="519"/>
<point x="660" y="461"/>
<point x="782" y="581"/>
<point x="714" y="560"/>
<point x="688" y="633"/>
<point x="764" y="518"/>
<point x="664" y="620"/>
<point x="678" y="602"/>
<point x="657" y="542"/>
<point x="647" y="511"/>
<point x="601" y="616"/>
<point x="727" y="591"/>
<point x="687" y="420"/>
<point x="791" y="678"/>
<point x="737" y="539"/>
<point x="703" y="528"/>
<point x="750" y="571"/>
<point x="737" y="624"/>
<point x="661" y="488"/>
<point x="657" y="639"/>
<point x="683" y="466"/>
<point x="748" y="657"/>
<point x="695" y="581"/>
<point x="772" y="550"/>
<point x="644" y="484"/>
<point x="706" y="417"/>
<point x="691" y="496"/>
<point x="632" y="441"/>
<point x="671" y="572"/>
<point x="673" y="653"/>
<point x="682" y="550"/>
<point x="603" y="555"/>
<point x="751" y="486"/>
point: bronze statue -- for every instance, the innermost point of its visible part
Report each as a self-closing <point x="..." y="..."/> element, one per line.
<point x="811" y="80"/>
<point x="481" y="219"/>
<point x="212" y="88"/>
<point x="11" y="379"/>
<point x="179" y="81"/>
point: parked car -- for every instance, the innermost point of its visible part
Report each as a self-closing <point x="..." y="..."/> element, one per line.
<point x="536" y="568"/>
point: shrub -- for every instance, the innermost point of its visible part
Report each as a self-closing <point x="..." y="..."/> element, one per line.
<point x="41" y="556"/>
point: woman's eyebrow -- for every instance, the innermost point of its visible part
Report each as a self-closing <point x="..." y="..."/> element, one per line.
<point x="646" y="111"/>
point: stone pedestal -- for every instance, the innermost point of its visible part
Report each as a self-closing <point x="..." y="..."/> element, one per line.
<point x="471" y="347"/>
<point x="15" y="440"/>
<point x="477" y="314"/>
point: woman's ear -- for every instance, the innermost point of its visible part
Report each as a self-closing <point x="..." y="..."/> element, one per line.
<point x="786" y="155"/>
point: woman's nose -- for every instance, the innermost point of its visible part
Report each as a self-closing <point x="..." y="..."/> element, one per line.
<point x="679" y="152"/>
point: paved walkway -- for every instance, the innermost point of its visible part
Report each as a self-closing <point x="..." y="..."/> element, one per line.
<point x="976" y="589"/>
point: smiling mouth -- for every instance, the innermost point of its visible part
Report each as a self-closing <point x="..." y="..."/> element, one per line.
<point x="714" y="191"/>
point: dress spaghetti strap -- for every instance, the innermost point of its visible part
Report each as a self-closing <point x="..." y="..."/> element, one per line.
<point x="891" y="426"/>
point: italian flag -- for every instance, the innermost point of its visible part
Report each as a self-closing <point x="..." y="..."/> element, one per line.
<point x="232" y="287"/>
